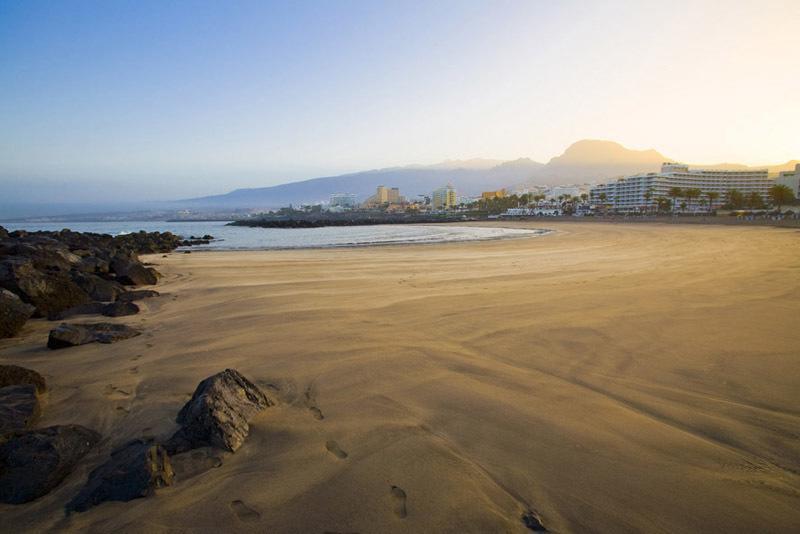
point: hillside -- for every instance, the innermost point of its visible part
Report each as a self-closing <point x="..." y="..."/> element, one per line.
<point x="585" y="161"/>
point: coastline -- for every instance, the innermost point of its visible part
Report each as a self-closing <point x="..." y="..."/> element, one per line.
<point x="597" y="377"/>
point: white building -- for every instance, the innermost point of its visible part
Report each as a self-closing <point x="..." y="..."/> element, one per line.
<point x="343" y="200"/>
<point x="791" y="179"/>
<point x="631" y="193"/>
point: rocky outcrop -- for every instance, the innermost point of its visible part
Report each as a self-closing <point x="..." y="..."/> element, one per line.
<point x="57" y="271"/>
<point x="35" y="461"/>
<point x="19" y="407"/>
<point x="13" y="313"/>
<point x="112" y="309"/>
<point x="217" y="414"/>
<point x="70" y="335"/>
<point x="135" y="470"/>
<point x="49" y="291"/>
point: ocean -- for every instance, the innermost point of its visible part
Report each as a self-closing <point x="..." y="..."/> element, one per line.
<point x="246" y="238"/>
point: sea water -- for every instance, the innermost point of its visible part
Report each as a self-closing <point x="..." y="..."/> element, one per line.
<point x="247" y="238"/>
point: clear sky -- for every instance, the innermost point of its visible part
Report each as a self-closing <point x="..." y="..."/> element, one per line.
<point x="177" y="98"/>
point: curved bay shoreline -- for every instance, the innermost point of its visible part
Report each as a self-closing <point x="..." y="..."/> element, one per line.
<point x="613" y="378"/>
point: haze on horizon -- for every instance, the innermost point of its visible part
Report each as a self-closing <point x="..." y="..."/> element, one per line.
<point x="148" y="100"/>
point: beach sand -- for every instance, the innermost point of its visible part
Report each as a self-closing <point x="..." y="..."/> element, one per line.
<point x="610" y="377"/>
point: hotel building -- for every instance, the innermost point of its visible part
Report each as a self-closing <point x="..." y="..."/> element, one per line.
<point x="385" y="196"/>
<point x="444" y="198"/>
<point x="629" y="193"/>
<point x="791" y="179"/>
<point x="343" y="200"/>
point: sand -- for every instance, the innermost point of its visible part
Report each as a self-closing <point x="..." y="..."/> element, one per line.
<point x="611" y="377"/>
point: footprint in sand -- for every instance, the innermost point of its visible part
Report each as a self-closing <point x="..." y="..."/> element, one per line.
<point x="244" y="512"/>
<point x="115" y="393"/>
<point x="133" y="370"/>
<point x="399" y="498"/>
<point x="136" y="357"/>
<point x="335" y="450"/>
<point x="310" y="400"/>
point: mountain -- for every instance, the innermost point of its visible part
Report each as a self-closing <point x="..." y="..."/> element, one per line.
<point x="586" y="161"/>
<point x="590" y="160"/>
<point x="468" y="178"/>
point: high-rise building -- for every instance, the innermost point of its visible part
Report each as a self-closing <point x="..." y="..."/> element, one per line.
<point x="641" y="191"/>
<point x="385" y="196"/>
<point x="444" y="198"/>
<point x="791" y="179"/>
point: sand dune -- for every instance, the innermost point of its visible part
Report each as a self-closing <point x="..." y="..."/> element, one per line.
<point x="613" y="378"/>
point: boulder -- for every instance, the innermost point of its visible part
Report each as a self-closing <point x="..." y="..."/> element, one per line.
<point x="120" y="309"/>
<point x="133" y="273"/>
<point x="92" y="264"/>
<point x="34" y="462"/>
<point x="135" y="470"/>
<point x="19" y="407"/>
<point x="12" y="375"/>
<point x="98" y="288"/>
<point x="49" y="292"/>
<point x="217" y="414"/>
<point x="70" y="335"/>
<point x="13" y="313"/>
<point x="137" y="294"/>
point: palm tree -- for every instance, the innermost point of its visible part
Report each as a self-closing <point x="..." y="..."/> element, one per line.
<point x="647" y="196"/>
<point x="780" y="194"/>
<point x="712" y="196"/>
<point x="584" y="197"/>
<point x="692" y="193"/>
<point x="675" y="193"/>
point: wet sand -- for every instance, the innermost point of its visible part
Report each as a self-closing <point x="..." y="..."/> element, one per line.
<point x="610" y="377"/>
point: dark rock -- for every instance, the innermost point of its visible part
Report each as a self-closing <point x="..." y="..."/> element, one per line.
<point x="120" y="309"/>
<point x="13" y="313"/>
<point x="92" y="264"/>
<point x="12" y="375"/>
<point x="19" y="407"/>
<point x="49" y="292"/>
<point x="133" y="273"/>
<point x="133" y="471"/>
<point x="531" y="520"/>
<point x="98" y="288"/>
<point x="3" y="233"/>
<point x="70" y="335"/>
<point x="217" y="413"/>
<point x="137" y="294"/>
<point x="35" y="461"/>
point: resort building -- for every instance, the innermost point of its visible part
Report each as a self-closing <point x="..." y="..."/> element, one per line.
<point x="444" y="198"/>
<point x="385" y="196"/>
<point x="641" y="191"/>
<point x="343" y="200"/>
<point x="791" y="179"/>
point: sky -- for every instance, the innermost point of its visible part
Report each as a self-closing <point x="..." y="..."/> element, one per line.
<point x="138" y="100"/>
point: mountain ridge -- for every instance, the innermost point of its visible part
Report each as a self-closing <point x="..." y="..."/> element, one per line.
<point x="585" y="161"/>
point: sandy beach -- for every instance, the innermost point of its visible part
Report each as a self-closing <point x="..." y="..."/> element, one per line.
<point x="610" y="377"/>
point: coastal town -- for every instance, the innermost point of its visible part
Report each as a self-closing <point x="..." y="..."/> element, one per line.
<point x="677" y="190"/>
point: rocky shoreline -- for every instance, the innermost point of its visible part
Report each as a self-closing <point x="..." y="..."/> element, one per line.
<point x="350" y="219"/>
<point x="61" y="274"/>
<point x="57" y="275"/>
